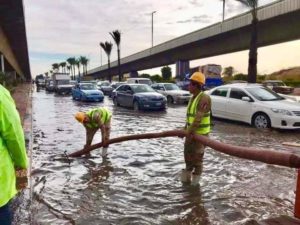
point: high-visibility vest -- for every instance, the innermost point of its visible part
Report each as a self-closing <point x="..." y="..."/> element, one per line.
<point x="105" y="115"/>
<point x="204" y="126"/>
<point x="12" y="146"/>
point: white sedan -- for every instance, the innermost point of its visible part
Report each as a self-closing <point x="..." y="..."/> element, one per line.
<point x="255" y="105"/>
<point x="172" y="92"/>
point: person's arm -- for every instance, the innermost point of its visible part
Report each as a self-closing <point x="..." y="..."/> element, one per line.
<point x="203" y="107"/>
<point x="97" y="117"/>
<point x="11" y="131"/>
<point x="90" y="133"/>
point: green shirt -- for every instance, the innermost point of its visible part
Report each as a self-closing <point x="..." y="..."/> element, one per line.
<point x="12" y="146"/>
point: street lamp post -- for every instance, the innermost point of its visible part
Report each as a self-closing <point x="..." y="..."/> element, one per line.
<point x="223" y="10"/>
<point x="152" y="27"/>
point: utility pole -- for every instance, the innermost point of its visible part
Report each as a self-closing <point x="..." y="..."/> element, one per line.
<point x="152" y="28"/>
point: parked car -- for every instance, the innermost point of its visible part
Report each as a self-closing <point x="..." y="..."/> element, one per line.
<point x="105" y="87"/>
<point x="278" y="86"/>
<point x="173" y="93"/>
<point x="114" y="86"/>
<point x="139" y="97"/>
<point x="87" y="92"/>
<point x="256" y="105"/>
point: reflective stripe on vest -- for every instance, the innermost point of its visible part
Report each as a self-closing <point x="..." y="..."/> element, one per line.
<point x="104" y="116"/>
<point x="204" y="126"/>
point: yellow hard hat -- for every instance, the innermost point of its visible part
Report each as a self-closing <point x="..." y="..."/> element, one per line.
<point x="80" y="116"/>
<point x="198" y="77"/>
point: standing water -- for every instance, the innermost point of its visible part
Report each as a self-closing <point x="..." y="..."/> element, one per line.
<point x="139" y="182"/>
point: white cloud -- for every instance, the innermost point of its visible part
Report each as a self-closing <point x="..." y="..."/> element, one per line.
<point x="60" y="29"/>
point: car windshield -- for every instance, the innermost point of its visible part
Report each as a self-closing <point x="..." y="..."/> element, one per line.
<point x="145" y="82"/>
<point x="88" y="87"/>
<point x="264" y="94"/>
<point x="170" y="87"/>
<point x="141" y="88"/>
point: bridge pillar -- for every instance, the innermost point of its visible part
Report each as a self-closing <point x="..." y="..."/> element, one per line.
<point x="182" y="68"/>
<point x="133" y="74"/>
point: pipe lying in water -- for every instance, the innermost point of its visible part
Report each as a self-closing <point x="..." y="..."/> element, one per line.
<point x="263" y="155"/>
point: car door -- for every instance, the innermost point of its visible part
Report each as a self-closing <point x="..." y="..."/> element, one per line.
<point x="237" y="108"/>
<point x="128" y="96"/>
<point x="219" y="102"/>
<point x="120" y="94"/>
<point x="76" y="92"/>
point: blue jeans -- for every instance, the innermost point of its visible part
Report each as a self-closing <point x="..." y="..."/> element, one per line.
<point x="5" y="215"/>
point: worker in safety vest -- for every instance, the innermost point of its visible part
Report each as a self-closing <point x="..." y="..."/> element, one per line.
<point x="197" y="122"/>
<point x="12" y="153"/>
<point x="93" y="120"/>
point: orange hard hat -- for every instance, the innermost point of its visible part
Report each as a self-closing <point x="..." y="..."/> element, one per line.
<point x="79" y="116"/>
<point x="198" y="77"/>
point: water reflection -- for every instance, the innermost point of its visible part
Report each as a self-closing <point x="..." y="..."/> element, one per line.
<point x="139" y="182"/>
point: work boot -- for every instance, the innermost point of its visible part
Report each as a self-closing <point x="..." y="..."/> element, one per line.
<point x="104" y="152"/>
<point x="195" y="179"/>
<point x="186" y="176"/>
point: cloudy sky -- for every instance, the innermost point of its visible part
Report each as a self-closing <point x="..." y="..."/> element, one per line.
<point x="60" y="29"/>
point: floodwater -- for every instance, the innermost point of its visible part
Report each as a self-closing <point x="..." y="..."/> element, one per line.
<point x="139" y="182"/>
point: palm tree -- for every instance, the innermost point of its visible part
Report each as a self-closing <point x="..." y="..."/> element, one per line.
<point x="69" y="68"/>
<point x="72" y="62"/>
<point x="252" y="61"/>
<point x="116" y="35"/>
<point x="63" y="66"/>
<point x="78" y="67"/>
<point x="107" y="46"/>
<point x="84" y="61"/>
<point x="55" y="67"/>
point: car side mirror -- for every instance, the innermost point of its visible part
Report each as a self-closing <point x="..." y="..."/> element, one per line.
<point x="246" y="99"/>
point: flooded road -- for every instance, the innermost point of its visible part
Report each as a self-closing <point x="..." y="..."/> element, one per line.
<point x="139" y="182"/>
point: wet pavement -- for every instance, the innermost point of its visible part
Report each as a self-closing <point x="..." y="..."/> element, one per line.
<point x="139" y="182"/>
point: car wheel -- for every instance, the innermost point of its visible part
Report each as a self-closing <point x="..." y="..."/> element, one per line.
<point x="115" y="101"/>
<point x="261" y="120"/>
<point x="170" y="99"/>
<point x="136" y="106"/>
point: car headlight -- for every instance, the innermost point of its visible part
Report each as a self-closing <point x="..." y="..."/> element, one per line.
<point x="282" y="111"/>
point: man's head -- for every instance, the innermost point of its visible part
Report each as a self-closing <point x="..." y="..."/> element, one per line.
<point x="197" y="80"/>
<point x="80" y="117"/>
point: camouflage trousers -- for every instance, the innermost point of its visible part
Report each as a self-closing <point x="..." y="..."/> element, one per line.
<point x="193" y="156"/>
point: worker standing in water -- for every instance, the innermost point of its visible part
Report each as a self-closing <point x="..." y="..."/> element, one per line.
<point x="93" y="120"/>
<point x="197" y="122"/>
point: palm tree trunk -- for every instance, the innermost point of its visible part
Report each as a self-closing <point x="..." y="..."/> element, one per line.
<point x="109" y="76"/>
<point x="119" y="66"/>
<point x="252" y="64"/>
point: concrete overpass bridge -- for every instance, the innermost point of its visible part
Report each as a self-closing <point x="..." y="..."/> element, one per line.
<point x="14" y="60"/>
<point x="278" y="22"/>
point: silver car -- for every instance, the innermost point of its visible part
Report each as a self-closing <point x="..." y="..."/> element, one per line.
<point x="173" y="93"/>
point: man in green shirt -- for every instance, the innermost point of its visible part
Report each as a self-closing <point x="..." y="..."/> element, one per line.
<point x="93" y="120"/>
<point x="12" y="152"/>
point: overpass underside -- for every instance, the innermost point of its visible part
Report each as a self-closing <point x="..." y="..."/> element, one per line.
<point x="13" y="42"/>
<point x="276" y="30"/>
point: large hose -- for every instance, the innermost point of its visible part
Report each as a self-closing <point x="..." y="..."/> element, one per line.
<point x="263" y="155"/>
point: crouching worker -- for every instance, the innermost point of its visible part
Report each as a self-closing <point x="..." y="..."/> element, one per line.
<point x="93" y="120"/>
<point x="197" y="122"/>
